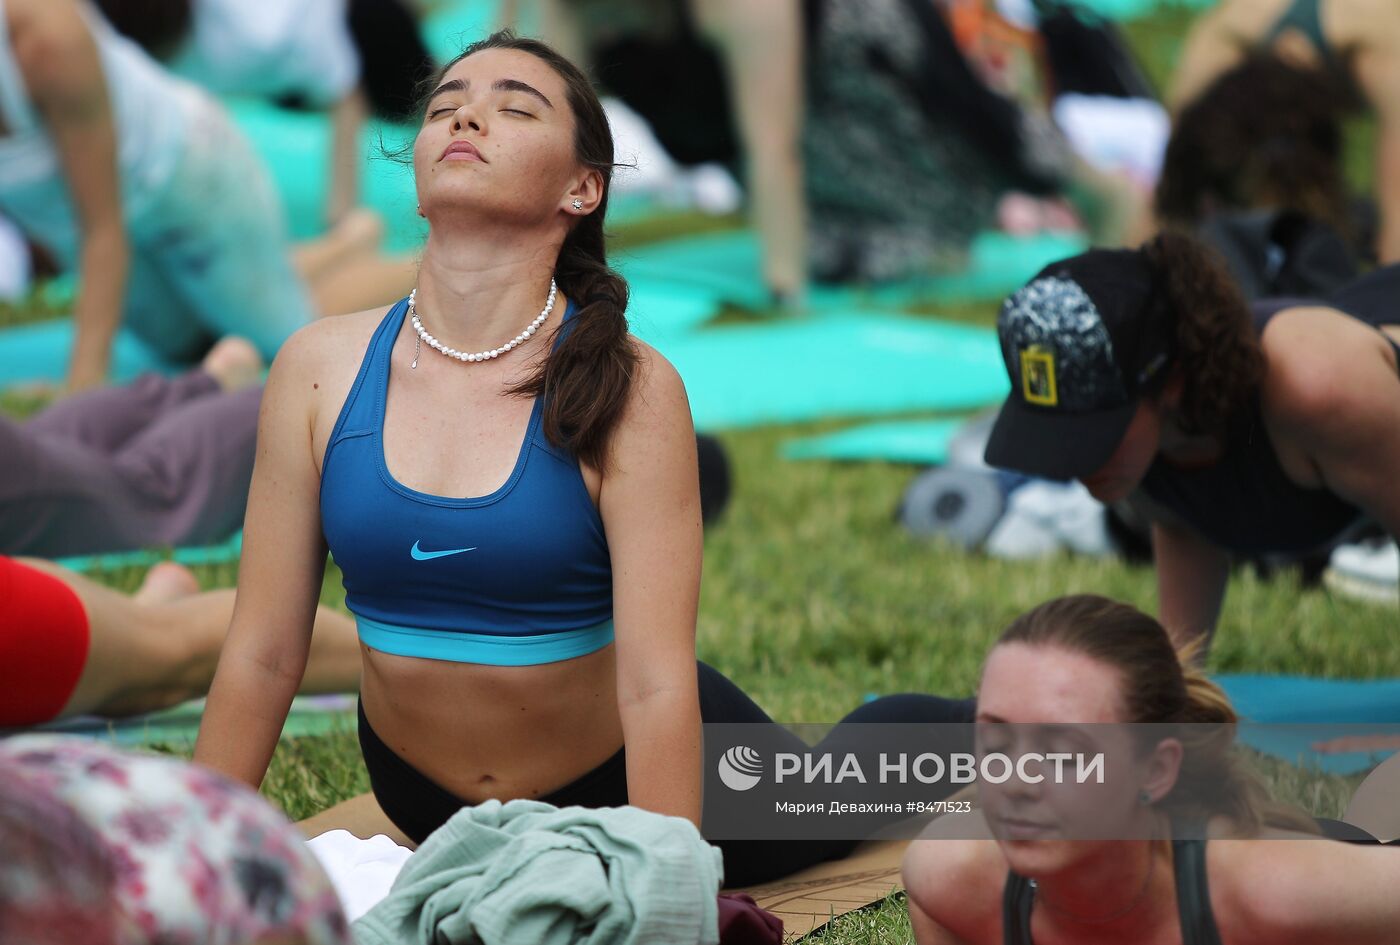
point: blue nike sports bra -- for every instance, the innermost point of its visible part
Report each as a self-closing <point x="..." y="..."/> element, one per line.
<point x="515" y="578"/>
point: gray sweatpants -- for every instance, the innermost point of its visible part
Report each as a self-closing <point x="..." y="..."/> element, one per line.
<point x="157" y="462"/>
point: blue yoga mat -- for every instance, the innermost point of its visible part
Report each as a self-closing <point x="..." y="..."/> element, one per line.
<point x="727" y="264"/>
<point x="224" y="552"/>
<point x="924" y="442"/>
<point x="659" y="312"/>
<point x="39" y="353"/>
<point x="847" y="365"/>
<point x="296" y="145"/>
<point x="1296" y="712"/>
<point x="309" y="715"/>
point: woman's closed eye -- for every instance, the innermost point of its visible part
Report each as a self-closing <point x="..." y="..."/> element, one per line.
<point x="516" y="111"/>
<point x="442" y="110"/>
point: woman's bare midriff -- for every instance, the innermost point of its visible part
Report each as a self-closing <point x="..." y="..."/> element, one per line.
<point x="501" y="732"/>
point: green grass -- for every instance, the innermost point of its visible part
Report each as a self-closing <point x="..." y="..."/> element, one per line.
<point x="813" y="597"/>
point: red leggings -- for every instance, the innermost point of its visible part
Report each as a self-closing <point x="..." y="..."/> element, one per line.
<point x="43" y="644"/>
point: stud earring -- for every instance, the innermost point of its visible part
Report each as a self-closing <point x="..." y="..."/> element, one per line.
<point x="420" y="210"/>
<point x="1144" y="798"/>
<point x="578" y="204"/>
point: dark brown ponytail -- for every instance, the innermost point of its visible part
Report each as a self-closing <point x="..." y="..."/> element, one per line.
<point x="1266" y="135"/>
<point x="1217" y="351"/>
<point x="587" y="378"/>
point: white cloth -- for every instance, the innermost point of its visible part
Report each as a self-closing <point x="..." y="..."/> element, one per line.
<point x="362" y="871"/>
<point x="1043" y="518"/>
<point x="152" y="113"/>
<point x="210" y="251"/>
<point x="1116" y="134"/>
<point x="271" y="48"/>
<point x="14" y="262"/>
<point x="649" y="171"/>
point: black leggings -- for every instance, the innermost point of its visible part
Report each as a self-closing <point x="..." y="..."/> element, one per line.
<point x="418" y="806"/>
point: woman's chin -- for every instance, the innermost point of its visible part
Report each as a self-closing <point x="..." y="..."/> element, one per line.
<point x="1035" y="858"/>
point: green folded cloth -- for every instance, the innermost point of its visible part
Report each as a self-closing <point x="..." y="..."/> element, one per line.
<point x="526" y="871"/>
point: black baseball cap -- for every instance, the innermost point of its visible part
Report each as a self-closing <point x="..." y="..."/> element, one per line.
<point x="1083" y="341"/>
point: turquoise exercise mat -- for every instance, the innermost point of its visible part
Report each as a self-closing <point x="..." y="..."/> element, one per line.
<point x="847" y="365"/>
<point x="727" y="264"/>
<point x="1295" y="712"/>
<point x="1135" y="9"/>
<point x="454" y="26"/>
<point x="296" y="146"/>
<point x="924" y="442"/>
<point x="224" y="552"/>
<point x="178" y="726"/>
<point x="38" y="353"/>
<point x="658" y="312"/>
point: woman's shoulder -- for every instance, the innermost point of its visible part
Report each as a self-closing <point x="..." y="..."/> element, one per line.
<point x="329" y="340"/>
<point x="1313" y="354"/>
<point x="956" y="874"/>
<point x="319" y="362"/>
<point x="1283" y="886"/>
<point x="656" y="384"/>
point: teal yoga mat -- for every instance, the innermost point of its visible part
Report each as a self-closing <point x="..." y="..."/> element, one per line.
<point x="1135" y="9"/>
<point x="296" y="145"/>
<point x="659" y="312"/>
<point x="178" y="726"/>
<point x="1295" y="712"/>
<point x="924" y="442"/>
<point x="224" y="552"/>
<point x="38" y="353"/>
<point x="847" y="365"/>
<point x="727" y="264"/>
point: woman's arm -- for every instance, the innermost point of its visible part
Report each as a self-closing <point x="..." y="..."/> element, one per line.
<point x="347" y="119"/>
<point x="761" y="45"/>
<point x="650" y="505"/>
<point x="1309" y="892"/>
<point x="1192" y="575"/>
<point x="1378" y="72"/>
<point x="279" y="580"/>
<point x="59" y="61"/>
<point x="1212" y="48"/>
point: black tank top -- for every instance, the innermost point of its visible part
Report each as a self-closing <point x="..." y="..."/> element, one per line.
<point x="1192" y="898"/>
<point x="1245" y="502"/>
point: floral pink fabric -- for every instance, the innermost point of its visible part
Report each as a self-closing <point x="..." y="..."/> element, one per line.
<point x="181" y="855"/>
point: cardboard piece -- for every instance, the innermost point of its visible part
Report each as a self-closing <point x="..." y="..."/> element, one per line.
<point x="809" y="899"/>
<point x="805" y="901"/>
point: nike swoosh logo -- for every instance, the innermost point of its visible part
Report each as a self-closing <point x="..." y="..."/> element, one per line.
<point x="419" y="554"/>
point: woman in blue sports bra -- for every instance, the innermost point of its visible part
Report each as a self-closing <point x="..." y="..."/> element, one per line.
<point x="507" y="480"/>
<point x="1166" y="849"/>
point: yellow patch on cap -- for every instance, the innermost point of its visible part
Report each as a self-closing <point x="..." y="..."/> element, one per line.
<point x="1038" y="377"/>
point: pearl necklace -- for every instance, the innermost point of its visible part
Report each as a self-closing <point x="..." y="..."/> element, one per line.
<point x="431" y="342"/>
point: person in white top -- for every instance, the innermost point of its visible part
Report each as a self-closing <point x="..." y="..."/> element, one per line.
<point x="298" y="50"/>
<point x="140" y="182"/>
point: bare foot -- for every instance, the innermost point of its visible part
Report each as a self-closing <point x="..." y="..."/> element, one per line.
<point x="234" y="363"/>
<point x="165" y="582"/>
<point x="361" y="230"/>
